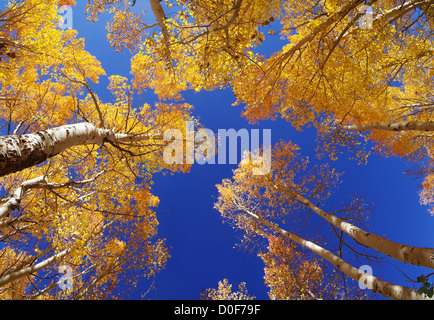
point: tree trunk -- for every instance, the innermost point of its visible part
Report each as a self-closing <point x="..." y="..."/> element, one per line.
<point x="18" y="152"/>
<point x="382" y="287"/>
<point x="398" y="126"/>
<point x="159" y="14"/>
<point x="14" y="201"/>
<point x="31" y="269"/>
<point x="408" y="254"/>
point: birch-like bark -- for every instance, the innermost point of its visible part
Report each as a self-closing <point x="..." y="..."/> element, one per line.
<point x="397" y="11"/>
<point x="54" y="285"/>
<point x="14" y="201"/>
<point x="408" y="254"/>
<point x="94" y="282"/>
<point x="18" y="152"/>
<point x="392" y="13"/>
<point x="9" y="277"/>
<point x="11" y="222"/>
<point x="377" y="285"/>
<point x="398" y="126"/>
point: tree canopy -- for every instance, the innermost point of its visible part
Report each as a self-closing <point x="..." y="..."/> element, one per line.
<point x="77" y="170"/>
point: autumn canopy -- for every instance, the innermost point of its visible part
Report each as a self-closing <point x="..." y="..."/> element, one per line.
<point x="77" y="170"/>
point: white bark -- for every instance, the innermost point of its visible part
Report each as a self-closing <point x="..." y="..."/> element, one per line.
<point x="9" y="277"/>
<point x="21" y="151"/>
<point x="403" y="8"/>
<point x="398" y="126"/>
<point x="14" y="201"/>
<point x="377" y="285"/>
<point x="408" y="254"/>
<point x="397" y="11"/>
<point x="56" y="284"/>
<point x="10" y="222"/>
<point x="18" y="152"/>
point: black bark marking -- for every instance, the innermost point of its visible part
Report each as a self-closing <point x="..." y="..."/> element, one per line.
<point x="19" y="153"/>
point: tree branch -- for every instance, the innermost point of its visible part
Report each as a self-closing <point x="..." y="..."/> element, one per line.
<point x="398" y="126"/>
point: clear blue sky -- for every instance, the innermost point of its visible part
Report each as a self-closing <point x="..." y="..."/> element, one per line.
<point x="202" y="248"/>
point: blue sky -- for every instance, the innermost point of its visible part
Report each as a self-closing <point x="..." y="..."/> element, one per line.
<point x="202" y="247"/>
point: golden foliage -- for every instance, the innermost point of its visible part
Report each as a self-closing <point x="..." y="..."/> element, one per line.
<point x="95" y="201"/>
<point x="224" y="292"/>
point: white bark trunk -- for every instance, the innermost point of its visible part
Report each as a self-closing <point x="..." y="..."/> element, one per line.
<point x="52" y="286"/>
<point x="403" y="8"/>
<point x="399" y="10"/>
<point x="377" y="285"/>
<point x="14" y="201"/>
<point x="31" y="269"/>
<point x="399" y="126"/>
<point x="18" y="152"/>
<point x="21" y="151"/>
<point x="408" y="254"/>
